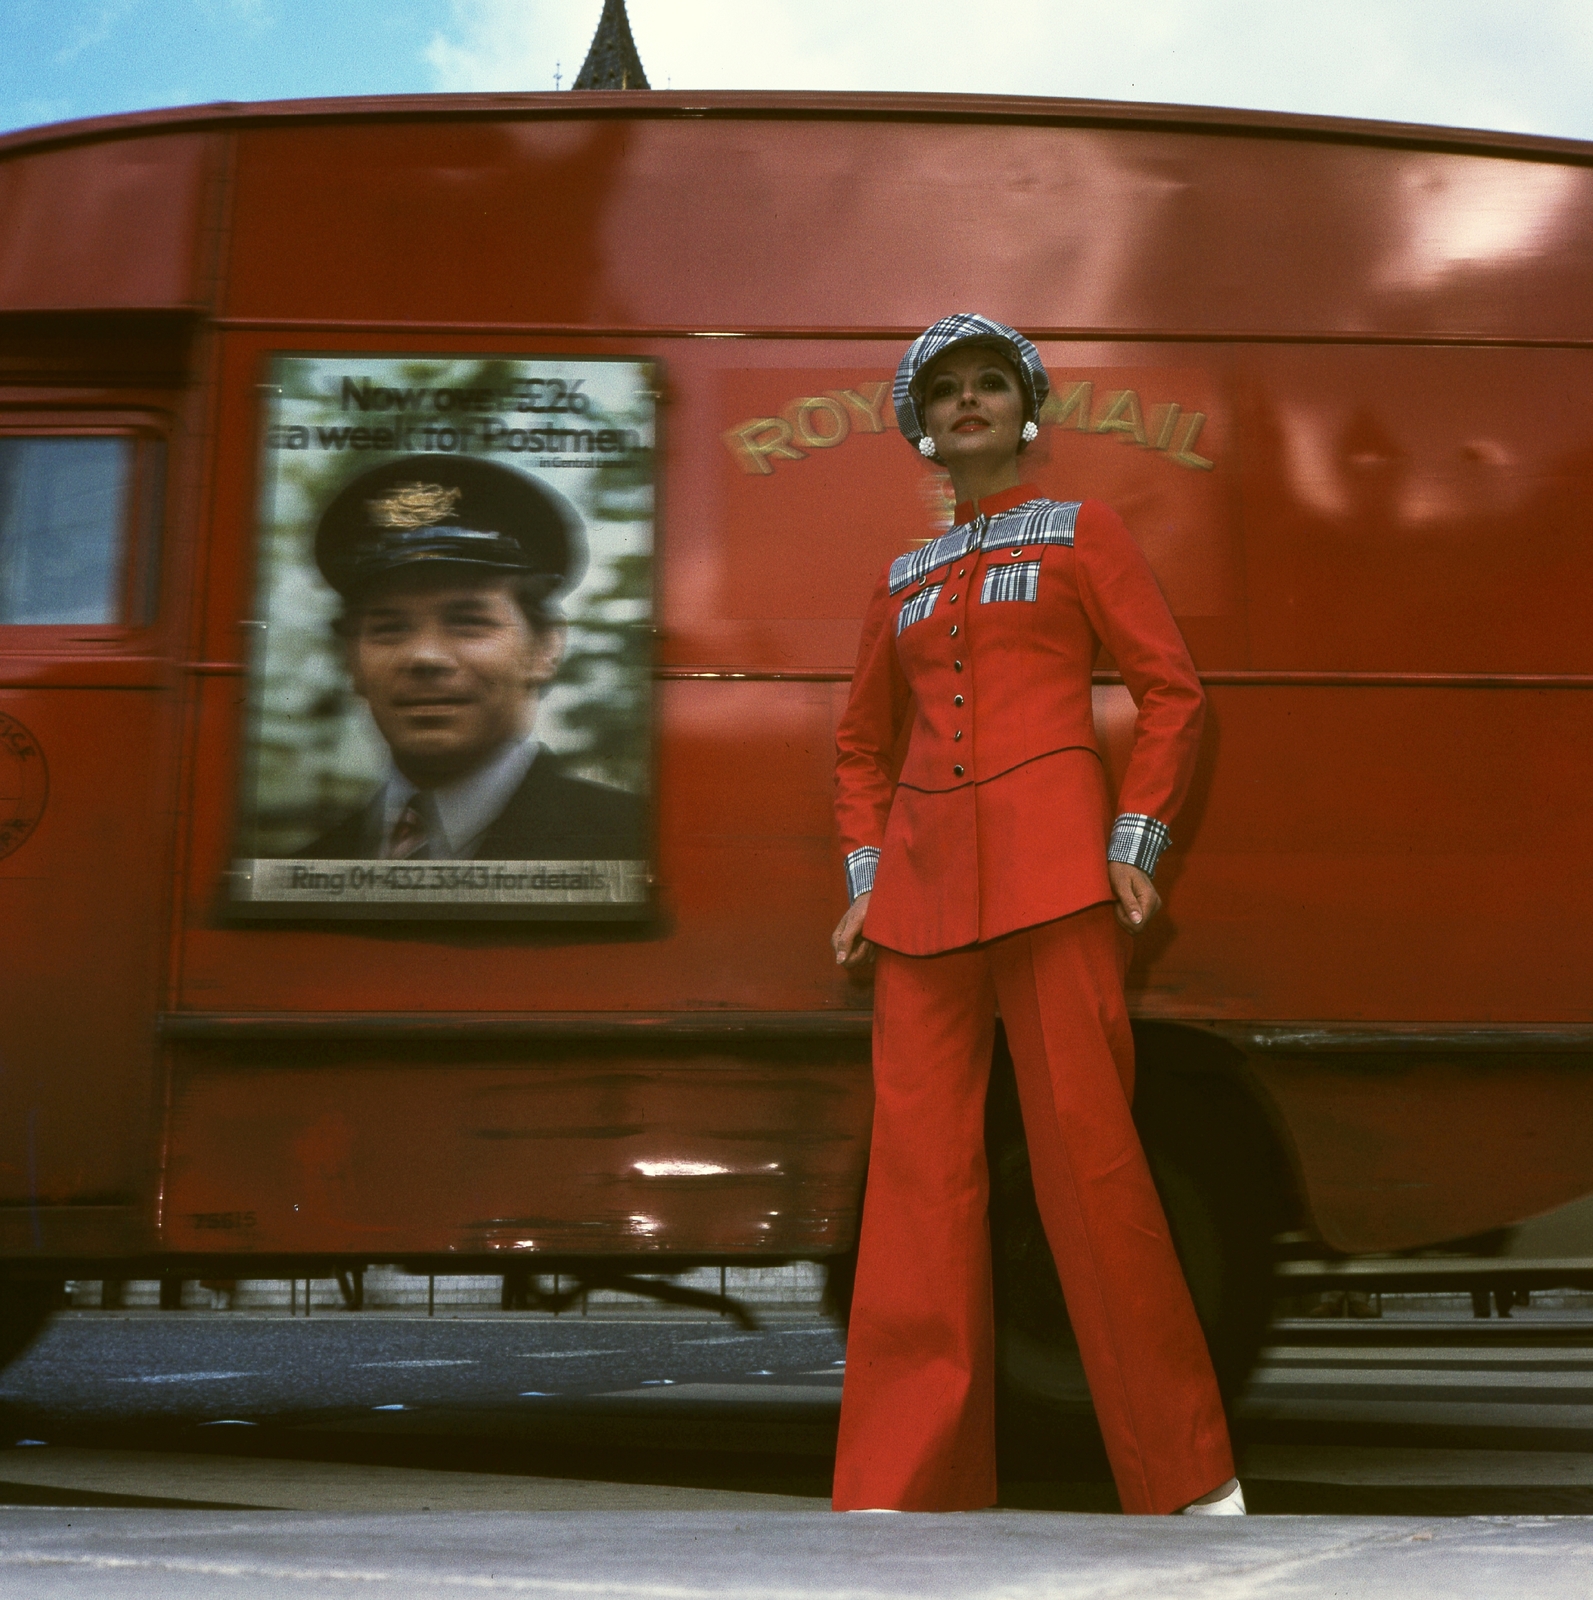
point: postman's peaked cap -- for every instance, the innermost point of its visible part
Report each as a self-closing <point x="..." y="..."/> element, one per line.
<point x="965" y="327"/>
<point x="455" y="509"/>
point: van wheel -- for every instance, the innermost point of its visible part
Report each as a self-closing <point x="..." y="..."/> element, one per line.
<point x="840" y="1277"/>
<point x="25" y="1307"/>
<point x="1212" y="1159"/>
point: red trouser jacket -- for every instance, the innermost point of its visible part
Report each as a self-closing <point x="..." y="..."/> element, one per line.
<point x="987" y="637"/>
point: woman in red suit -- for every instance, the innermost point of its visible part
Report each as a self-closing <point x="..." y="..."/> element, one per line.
<point x="989" y="875"/>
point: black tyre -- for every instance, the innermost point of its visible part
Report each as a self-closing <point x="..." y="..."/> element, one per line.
<point x="25" y="1307"/>
<point x="1216" y="1169"/>
<point x="840" y="1277"/>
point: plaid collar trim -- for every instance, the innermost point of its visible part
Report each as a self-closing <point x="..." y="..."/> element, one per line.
<point x="916" y="564"/>
<point x="1034" y="520"/>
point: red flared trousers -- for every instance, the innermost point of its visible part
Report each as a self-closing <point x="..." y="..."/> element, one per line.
<point x="917" y="1410"/>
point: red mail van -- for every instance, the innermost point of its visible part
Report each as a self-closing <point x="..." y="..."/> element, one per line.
<point x="1336" y="376"/>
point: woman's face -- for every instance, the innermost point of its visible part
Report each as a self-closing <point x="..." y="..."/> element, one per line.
<point x="973" y="407"/>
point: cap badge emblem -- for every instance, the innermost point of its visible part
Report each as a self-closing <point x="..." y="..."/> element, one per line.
<point x="414" y="505"/>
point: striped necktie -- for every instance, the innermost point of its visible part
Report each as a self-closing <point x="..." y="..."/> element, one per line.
<point x="408" y="837"/>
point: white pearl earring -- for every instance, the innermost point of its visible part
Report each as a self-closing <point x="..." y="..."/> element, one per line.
<point x="926" y="448"/>
<point x="1031" y="432"/>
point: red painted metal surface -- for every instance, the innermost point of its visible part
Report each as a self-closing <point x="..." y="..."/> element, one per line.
<point x="1508" y="1123"/>
<point x="82" y="904"/>
<point x="576" y="1153"/>
<point x="1335" y="377"/>
<point x="802" y="225"/>
<point x="106" y="225"/>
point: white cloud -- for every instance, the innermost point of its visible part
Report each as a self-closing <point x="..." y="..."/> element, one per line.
<point x="95" y="28"/>
<point x="1465" y="62"/>
<point x="100" y="23"/>
<point x="514" y="45"/>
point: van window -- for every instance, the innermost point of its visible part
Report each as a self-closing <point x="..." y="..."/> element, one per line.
<point x="64" y="506"/>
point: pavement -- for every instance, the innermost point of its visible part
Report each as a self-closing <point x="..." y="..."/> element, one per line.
<point x="680" y="1458"/>
<point x="790" y="1555"/>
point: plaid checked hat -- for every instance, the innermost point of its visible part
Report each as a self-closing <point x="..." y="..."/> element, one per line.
<point x="455" y="509"/>
<point x="965" y="327"/>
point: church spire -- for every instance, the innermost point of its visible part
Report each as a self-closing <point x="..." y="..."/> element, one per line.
<point x="612" y="62"/>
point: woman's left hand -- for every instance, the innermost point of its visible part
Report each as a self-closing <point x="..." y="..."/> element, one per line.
<point x="850" y="947"/>
<point x="1137" y="899"/>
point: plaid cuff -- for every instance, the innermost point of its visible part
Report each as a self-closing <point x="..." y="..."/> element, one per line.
<point x="860" y="869"/>
<point x="1137" y="840"/>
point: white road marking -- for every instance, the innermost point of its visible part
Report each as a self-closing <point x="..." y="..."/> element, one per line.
<point x="733" y="1393"/>
<point x="364" y="1364"/>
<point x="186" y="1377"/>
<point x="565" y="1355"/>
<point x="1447" y="1355"/>
<point x="1418" y="1378"/>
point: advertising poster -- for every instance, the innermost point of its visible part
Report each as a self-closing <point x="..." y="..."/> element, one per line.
<point x="449" y="695"/>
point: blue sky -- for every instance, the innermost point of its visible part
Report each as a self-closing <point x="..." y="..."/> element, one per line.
<point x="1524" y="65"/>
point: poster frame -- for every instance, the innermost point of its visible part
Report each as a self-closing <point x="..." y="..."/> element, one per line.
<point x="235" y="905"/>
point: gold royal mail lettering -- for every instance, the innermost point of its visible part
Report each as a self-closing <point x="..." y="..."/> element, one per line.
<point x="823" y="421"/>
<point x="815" y="421"/>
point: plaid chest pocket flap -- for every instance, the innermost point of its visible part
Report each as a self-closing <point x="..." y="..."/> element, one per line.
<point x="1039" y="523"/>
<point x="916" y="607"/>
<point x="1011" y="580"/>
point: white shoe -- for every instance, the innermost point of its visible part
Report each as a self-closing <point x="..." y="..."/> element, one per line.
<point x="1232" y="1504"/>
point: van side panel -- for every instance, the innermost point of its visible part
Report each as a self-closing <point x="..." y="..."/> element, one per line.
<point x="803" y="224"/>
<point x="106" y="226"/>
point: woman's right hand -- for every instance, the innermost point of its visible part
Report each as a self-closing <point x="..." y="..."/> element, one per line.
<point x="851" y="948"/>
